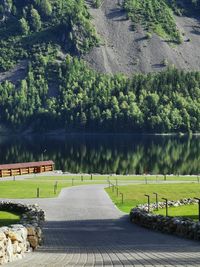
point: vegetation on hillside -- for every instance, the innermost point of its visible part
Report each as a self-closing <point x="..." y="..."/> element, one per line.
<point x="26" y="25"/>
<point x="60" y="91"/>
<point x="88" y="101"/>
<point x="156" y="16"/>
<point x="186" y="7"/>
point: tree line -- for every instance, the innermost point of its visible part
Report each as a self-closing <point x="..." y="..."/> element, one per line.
<point x="72" y="96"/>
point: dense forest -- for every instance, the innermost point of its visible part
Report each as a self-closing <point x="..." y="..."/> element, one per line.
<point x="26" y="25"/>
<point x="85" y="100"/>
<point x="59" y="90"/>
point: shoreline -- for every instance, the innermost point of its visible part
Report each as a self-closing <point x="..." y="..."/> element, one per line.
<point x="62" y="133"/>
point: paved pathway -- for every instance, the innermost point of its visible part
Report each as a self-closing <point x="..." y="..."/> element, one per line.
<point x="84" y="228"/>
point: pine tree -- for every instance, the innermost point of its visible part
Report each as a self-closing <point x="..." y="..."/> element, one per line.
<point x="24" y="26"/>
<point x="46" y="7"/>
<point x="35" y="20"/>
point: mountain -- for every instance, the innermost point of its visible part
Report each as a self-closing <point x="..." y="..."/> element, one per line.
<point x="109" y="66"/>
<point x="160" y="34"/>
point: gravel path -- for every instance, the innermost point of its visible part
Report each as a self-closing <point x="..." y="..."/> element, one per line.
<point x="84" y="228"/>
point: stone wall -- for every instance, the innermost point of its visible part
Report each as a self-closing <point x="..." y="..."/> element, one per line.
<point x="26" y="236"/>
<point x="184" y="227"/>
<point x="172" y="203"/>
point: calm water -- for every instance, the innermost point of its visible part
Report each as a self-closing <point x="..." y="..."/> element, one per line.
<point x="121" y="154"/>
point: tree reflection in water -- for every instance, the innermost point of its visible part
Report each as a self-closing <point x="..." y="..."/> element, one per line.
<point x="121" y="154"/>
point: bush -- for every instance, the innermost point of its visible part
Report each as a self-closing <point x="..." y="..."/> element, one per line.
<point x="97" y="3"/>
<point x="148" y="35"/>
<point x="165" y="62"/>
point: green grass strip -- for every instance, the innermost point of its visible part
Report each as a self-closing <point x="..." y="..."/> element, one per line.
<point x="134" y="194"/>
<point x="7" y="218"/>
<point x="187" y="211"/>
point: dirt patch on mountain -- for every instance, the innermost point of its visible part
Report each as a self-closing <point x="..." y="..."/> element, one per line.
<point x="127" y="51"/>
<point x="16" y="74"/>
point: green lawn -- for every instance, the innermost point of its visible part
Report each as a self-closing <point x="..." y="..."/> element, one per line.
<point x="28" y="188"/>
<point x="7" y="218"/>
<point x="134" y="194"/>
<point x="113" y="178"/>
<point x="190" y="211"/>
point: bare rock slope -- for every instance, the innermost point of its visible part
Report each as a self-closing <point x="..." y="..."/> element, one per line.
<point x="127" y="51"/>
<point x="16" y="74"/>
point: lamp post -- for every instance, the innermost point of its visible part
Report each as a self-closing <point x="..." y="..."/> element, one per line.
<point x="199" y="206"/>
<point x="156" y="194"/>
<point x="117" y="191"/>
<point x="166" y="205"/>
<point x="38" y="192"/>
<point x="148" y="198"/>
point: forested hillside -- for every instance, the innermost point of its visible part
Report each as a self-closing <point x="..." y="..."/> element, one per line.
<point x="158" y="16"/>
<point x="33" y="25"/>
<point x="45" y="85"/>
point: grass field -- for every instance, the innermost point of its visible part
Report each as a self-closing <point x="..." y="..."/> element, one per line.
<point x="7" y="218"/>
<point x="134" y="194"/>
<point x="190" y="211"/>
<point x="113" y="178"/>
<point x="27" y="188"/>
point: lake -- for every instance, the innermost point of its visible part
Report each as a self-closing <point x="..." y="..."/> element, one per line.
<point x="120" y="154"/>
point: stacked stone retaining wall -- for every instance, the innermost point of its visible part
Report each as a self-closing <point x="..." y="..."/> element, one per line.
<point x="180" y="226"/>
<point x="26" y="236"/>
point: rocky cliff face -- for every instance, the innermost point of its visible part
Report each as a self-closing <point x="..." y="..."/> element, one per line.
<point x="127" y="51"/>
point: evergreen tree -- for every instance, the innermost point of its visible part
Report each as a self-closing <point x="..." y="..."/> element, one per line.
<point x="36" y="23"/>
<point x="24" y="26"/>
<point x="46" y="7"/>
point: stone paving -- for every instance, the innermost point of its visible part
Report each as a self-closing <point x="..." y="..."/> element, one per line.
<point x="84" y="228"/>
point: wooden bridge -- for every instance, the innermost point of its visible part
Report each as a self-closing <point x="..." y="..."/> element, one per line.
<point x="26" y="168"/>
